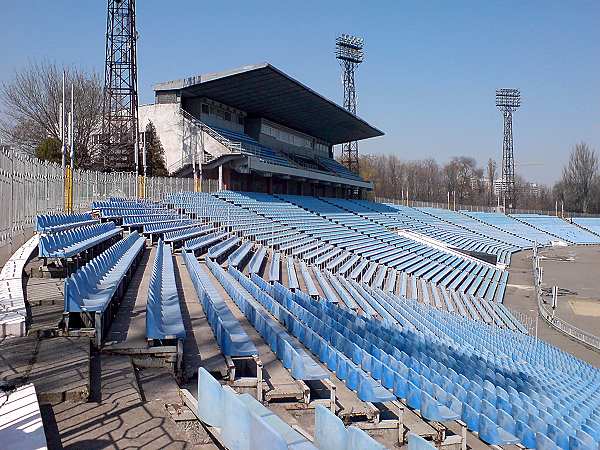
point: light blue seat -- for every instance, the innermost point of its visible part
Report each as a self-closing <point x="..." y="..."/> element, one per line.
<point x="559" y="436"/>
<point x="525" y="434"/>
<point x="431" y="409"/>
<point x="470" y="417"/>
<point x="416" y="442"/>
<point x="474" y="401"/>
<point x="582" y="440"/>
<point x="414" y="396"/>
<point x="489" y="410"/>
<point x="493" y="434"/>
<point x="543" y="442"/>
<point x="506" y="421"/>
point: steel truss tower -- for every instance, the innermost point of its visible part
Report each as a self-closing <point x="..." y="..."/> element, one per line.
<point x="507" y="101"/>
<point x="349" y="52"/>
<point x="120" y="108"/>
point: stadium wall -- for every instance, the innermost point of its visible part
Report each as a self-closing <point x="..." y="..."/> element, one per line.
<point x="29" y="186"/>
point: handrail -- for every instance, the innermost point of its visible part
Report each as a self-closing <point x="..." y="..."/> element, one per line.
<point x="572" y="331"/>
<point x="233" y="147"/>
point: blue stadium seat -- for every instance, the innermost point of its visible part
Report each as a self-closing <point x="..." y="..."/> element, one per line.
<point x="163" y="312"/>
<point x="51" y="223"/>
<point x="93" y="287"/>
<point x="71" y="242"/>
<point x="230" y="336"/>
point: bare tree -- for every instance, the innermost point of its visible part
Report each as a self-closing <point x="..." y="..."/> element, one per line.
<point x="578" y="177"/>
<point x="31" y="107"/>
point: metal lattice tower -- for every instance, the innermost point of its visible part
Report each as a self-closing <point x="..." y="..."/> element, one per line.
<point x="507" y="101"/>
<point x="120" y="108"/>
<point x="349" y="52"/>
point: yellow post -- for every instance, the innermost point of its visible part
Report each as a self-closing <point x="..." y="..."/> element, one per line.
<point x="68" y="190"/>
<point x="197" y="186"/>
<point x="141" y="186"/>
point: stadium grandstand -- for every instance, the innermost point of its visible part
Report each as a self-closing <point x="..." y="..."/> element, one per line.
<point x="379" y="325"/>
<point x="255" y="128"/>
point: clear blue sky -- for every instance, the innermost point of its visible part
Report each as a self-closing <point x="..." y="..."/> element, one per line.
<point x="428" y="80"/>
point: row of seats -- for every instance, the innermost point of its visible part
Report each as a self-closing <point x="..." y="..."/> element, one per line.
<point x="93" y="288"/>
<point x="293" y="356"/>
<point x="71" y="242"/>
<point x="559" y="228"/>
<point x="231" y="337"/>
<point x="204" y="241"/>
<point x="511" y="225"/>
<point x="160" y="228"/>
<point x="13" y="311"/>
<point x="163" y="312"/>
<point x="115" y="202"/>
<point x="469" y="223"/>
<point x="113" y="212"/>
<point x="245" y="424"/>
<point x="403" y="217"/>
<point x="339" y="169"/>
<point x="589" y="223"/>
<point x="142" y="220"/>
<point x="441" y="374"/>
<point x="51" y="223"/>
<point x="184" y="234"/>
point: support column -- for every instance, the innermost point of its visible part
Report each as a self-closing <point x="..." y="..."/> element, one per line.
<point x="220" y="178"/>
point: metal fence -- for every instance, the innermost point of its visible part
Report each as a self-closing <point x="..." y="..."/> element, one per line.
<point x="572" y="331"/>
<point x="29" y="186"/>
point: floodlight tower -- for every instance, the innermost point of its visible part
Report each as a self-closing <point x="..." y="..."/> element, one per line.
<point x="507" y="101"/>
<point x="349" y="52"/>
<point x="120" y="126"/>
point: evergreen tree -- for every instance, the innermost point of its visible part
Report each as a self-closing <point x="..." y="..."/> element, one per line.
<point x="155" y="153"/>
<point x="50" y="149"/>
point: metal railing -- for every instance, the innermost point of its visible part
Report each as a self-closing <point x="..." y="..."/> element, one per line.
<point x="572" y="331"/>
<point x="194" y="134"/>
<point x="29" y="186"/>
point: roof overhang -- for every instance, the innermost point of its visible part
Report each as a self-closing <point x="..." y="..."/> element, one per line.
<point x="264" y="91"/>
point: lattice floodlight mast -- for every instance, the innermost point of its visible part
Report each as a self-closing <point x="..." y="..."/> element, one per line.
<point x="507" y="101"/>
<point x="120" y="108"/>
<point x="349" y="52"/>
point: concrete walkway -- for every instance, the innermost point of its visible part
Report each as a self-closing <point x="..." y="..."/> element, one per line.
<point x="121" y="419"/>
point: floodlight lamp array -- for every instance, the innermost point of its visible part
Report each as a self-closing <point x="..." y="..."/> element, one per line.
<point x="349" y="48"/>
<point x="508" y="99"/>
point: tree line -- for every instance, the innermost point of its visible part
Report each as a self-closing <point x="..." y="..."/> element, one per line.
<point x="462" y="180"/>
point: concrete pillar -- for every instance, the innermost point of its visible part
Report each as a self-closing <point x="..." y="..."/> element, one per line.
<point x="221" y="178"/>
